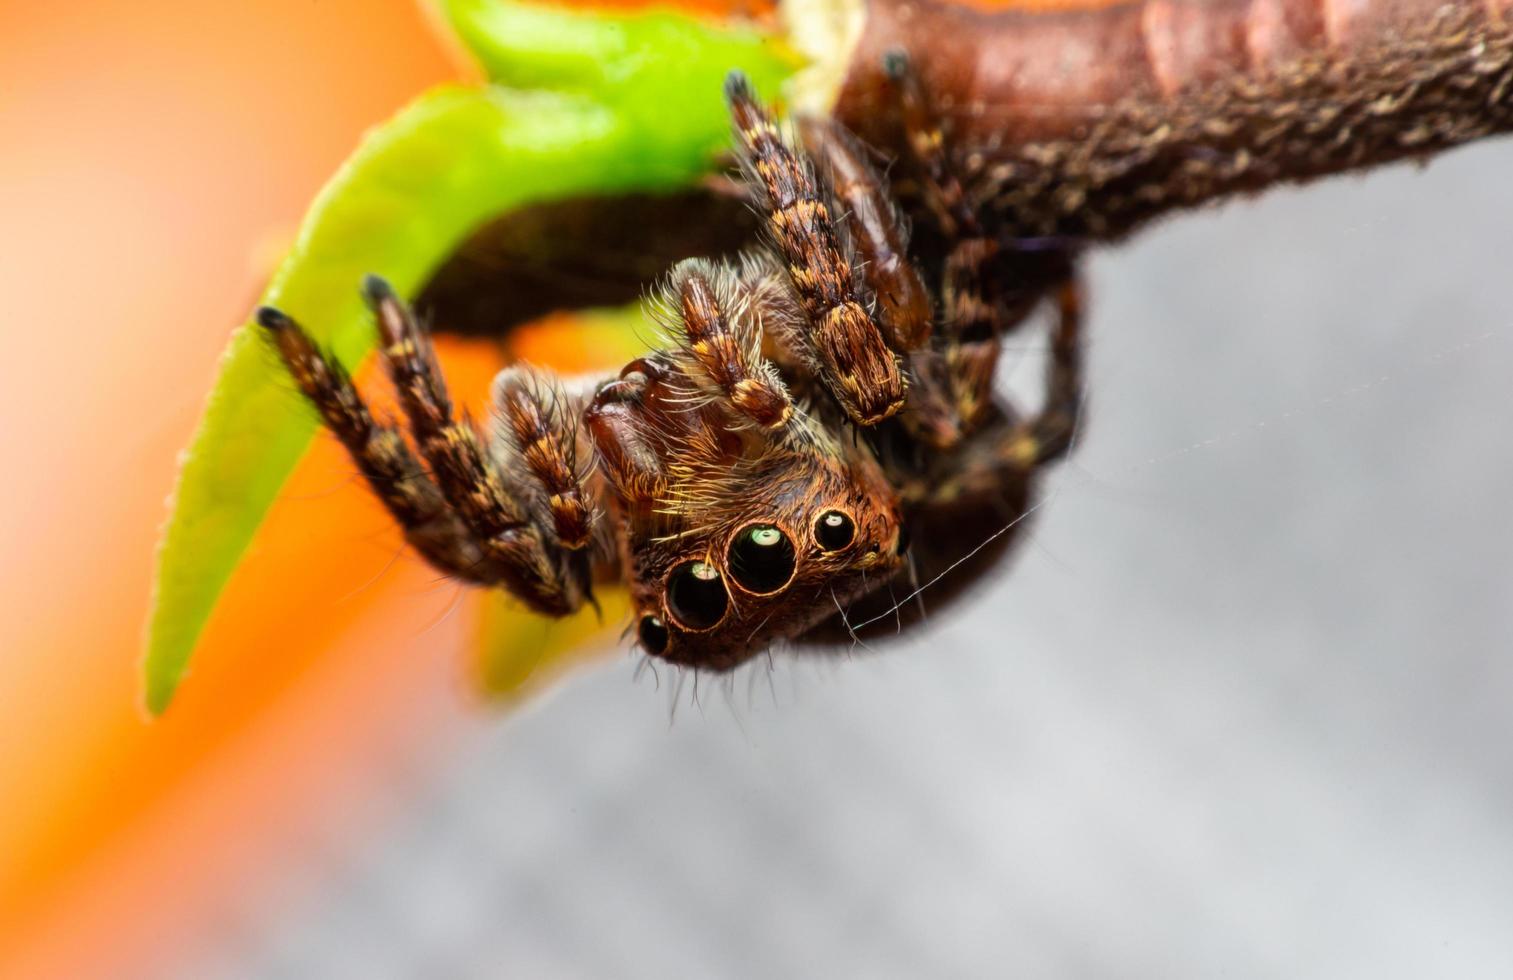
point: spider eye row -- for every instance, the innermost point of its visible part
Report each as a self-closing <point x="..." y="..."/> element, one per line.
<point x="696" y="596"/>
<point x="761" y="559"/>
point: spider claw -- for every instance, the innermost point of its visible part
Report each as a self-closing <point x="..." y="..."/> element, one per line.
<point x="738" y="87"/>
<point x="273" y="319"/>
<point x="375" y="290"/>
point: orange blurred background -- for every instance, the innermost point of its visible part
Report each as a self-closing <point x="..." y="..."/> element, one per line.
<point x="157" y="156"/>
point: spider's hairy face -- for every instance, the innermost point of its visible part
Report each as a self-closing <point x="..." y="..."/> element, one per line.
<point x="809" y="538"/>
<point x="733" y="535"/>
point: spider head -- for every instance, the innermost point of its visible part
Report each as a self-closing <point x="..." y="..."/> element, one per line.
<point x="787" y="543"/>
<point x="733" y="535"/>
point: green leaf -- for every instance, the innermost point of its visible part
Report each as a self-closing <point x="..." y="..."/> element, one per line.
<point x="663" y="68"/>
<point x="640" y="119"/>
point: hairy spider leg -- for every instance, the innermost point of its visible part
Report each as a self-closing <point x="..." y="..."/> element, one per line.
<point x="712" y="318"/>
<point x="531" y="564"/>
<point x="905" y="310"/>
<point x="845" y="342"/>
<point x="382" y="456"/>
<point x="538" y="433"/>
<point x="878" y="232"/>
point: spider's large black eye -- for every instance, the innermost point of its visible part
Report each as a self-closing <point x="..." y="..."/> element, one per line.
<point x="834" y="530"/>
<point x="653" y="634"/>
<point x="761" y="558"/>
<point x="696" y="595"/>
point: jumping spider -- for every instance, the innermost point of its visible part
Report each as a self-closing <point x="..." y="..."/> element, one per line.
<point x="760" y="478"/>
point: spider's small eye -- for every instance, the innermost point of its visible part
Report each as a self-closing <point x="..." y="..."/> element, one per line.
<point x="653" y="634"/>
<point x="834" y="530"/>
<point x="761" y="558"/>
<point x="696" y="595"/>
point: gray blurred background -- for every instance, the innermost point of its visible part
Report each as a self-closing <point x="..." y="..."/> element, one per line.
<point x="1242" y="706"/>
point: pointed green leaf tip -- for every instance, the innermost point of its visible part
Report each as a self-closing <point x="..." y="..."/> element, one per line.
<point x="619" y="103"/>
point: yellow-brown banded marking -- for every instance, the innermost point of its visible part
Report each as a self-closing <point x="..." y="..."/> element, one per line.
<point x="878" y="234"/>
<point x="971" y="313"/>
<point x="523" y="559"/>
<point x="860" y="370"/>
<point x="728" y="362"/>
<point x="380" y="452"/>
<point x="457" y="460"/>
<point x="550" y="457"/>
<point x="871" y="383"/>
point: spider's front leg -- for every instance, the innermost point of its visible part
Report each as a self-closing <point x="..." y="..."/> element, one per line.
<point x="707" y="312"/>
<point x="951" y="368"/>
<point x="382" y="456"/>
<point x="879" y="235"/>
<point x="519" y="519"/>
<point x="877" y="230"/>
<point x="540" y="562"/>
<point x="840" y="341"/>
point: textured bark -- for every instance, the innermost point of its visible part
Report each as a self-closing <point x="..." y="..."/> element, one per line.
<point x="1085" y="123"/>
